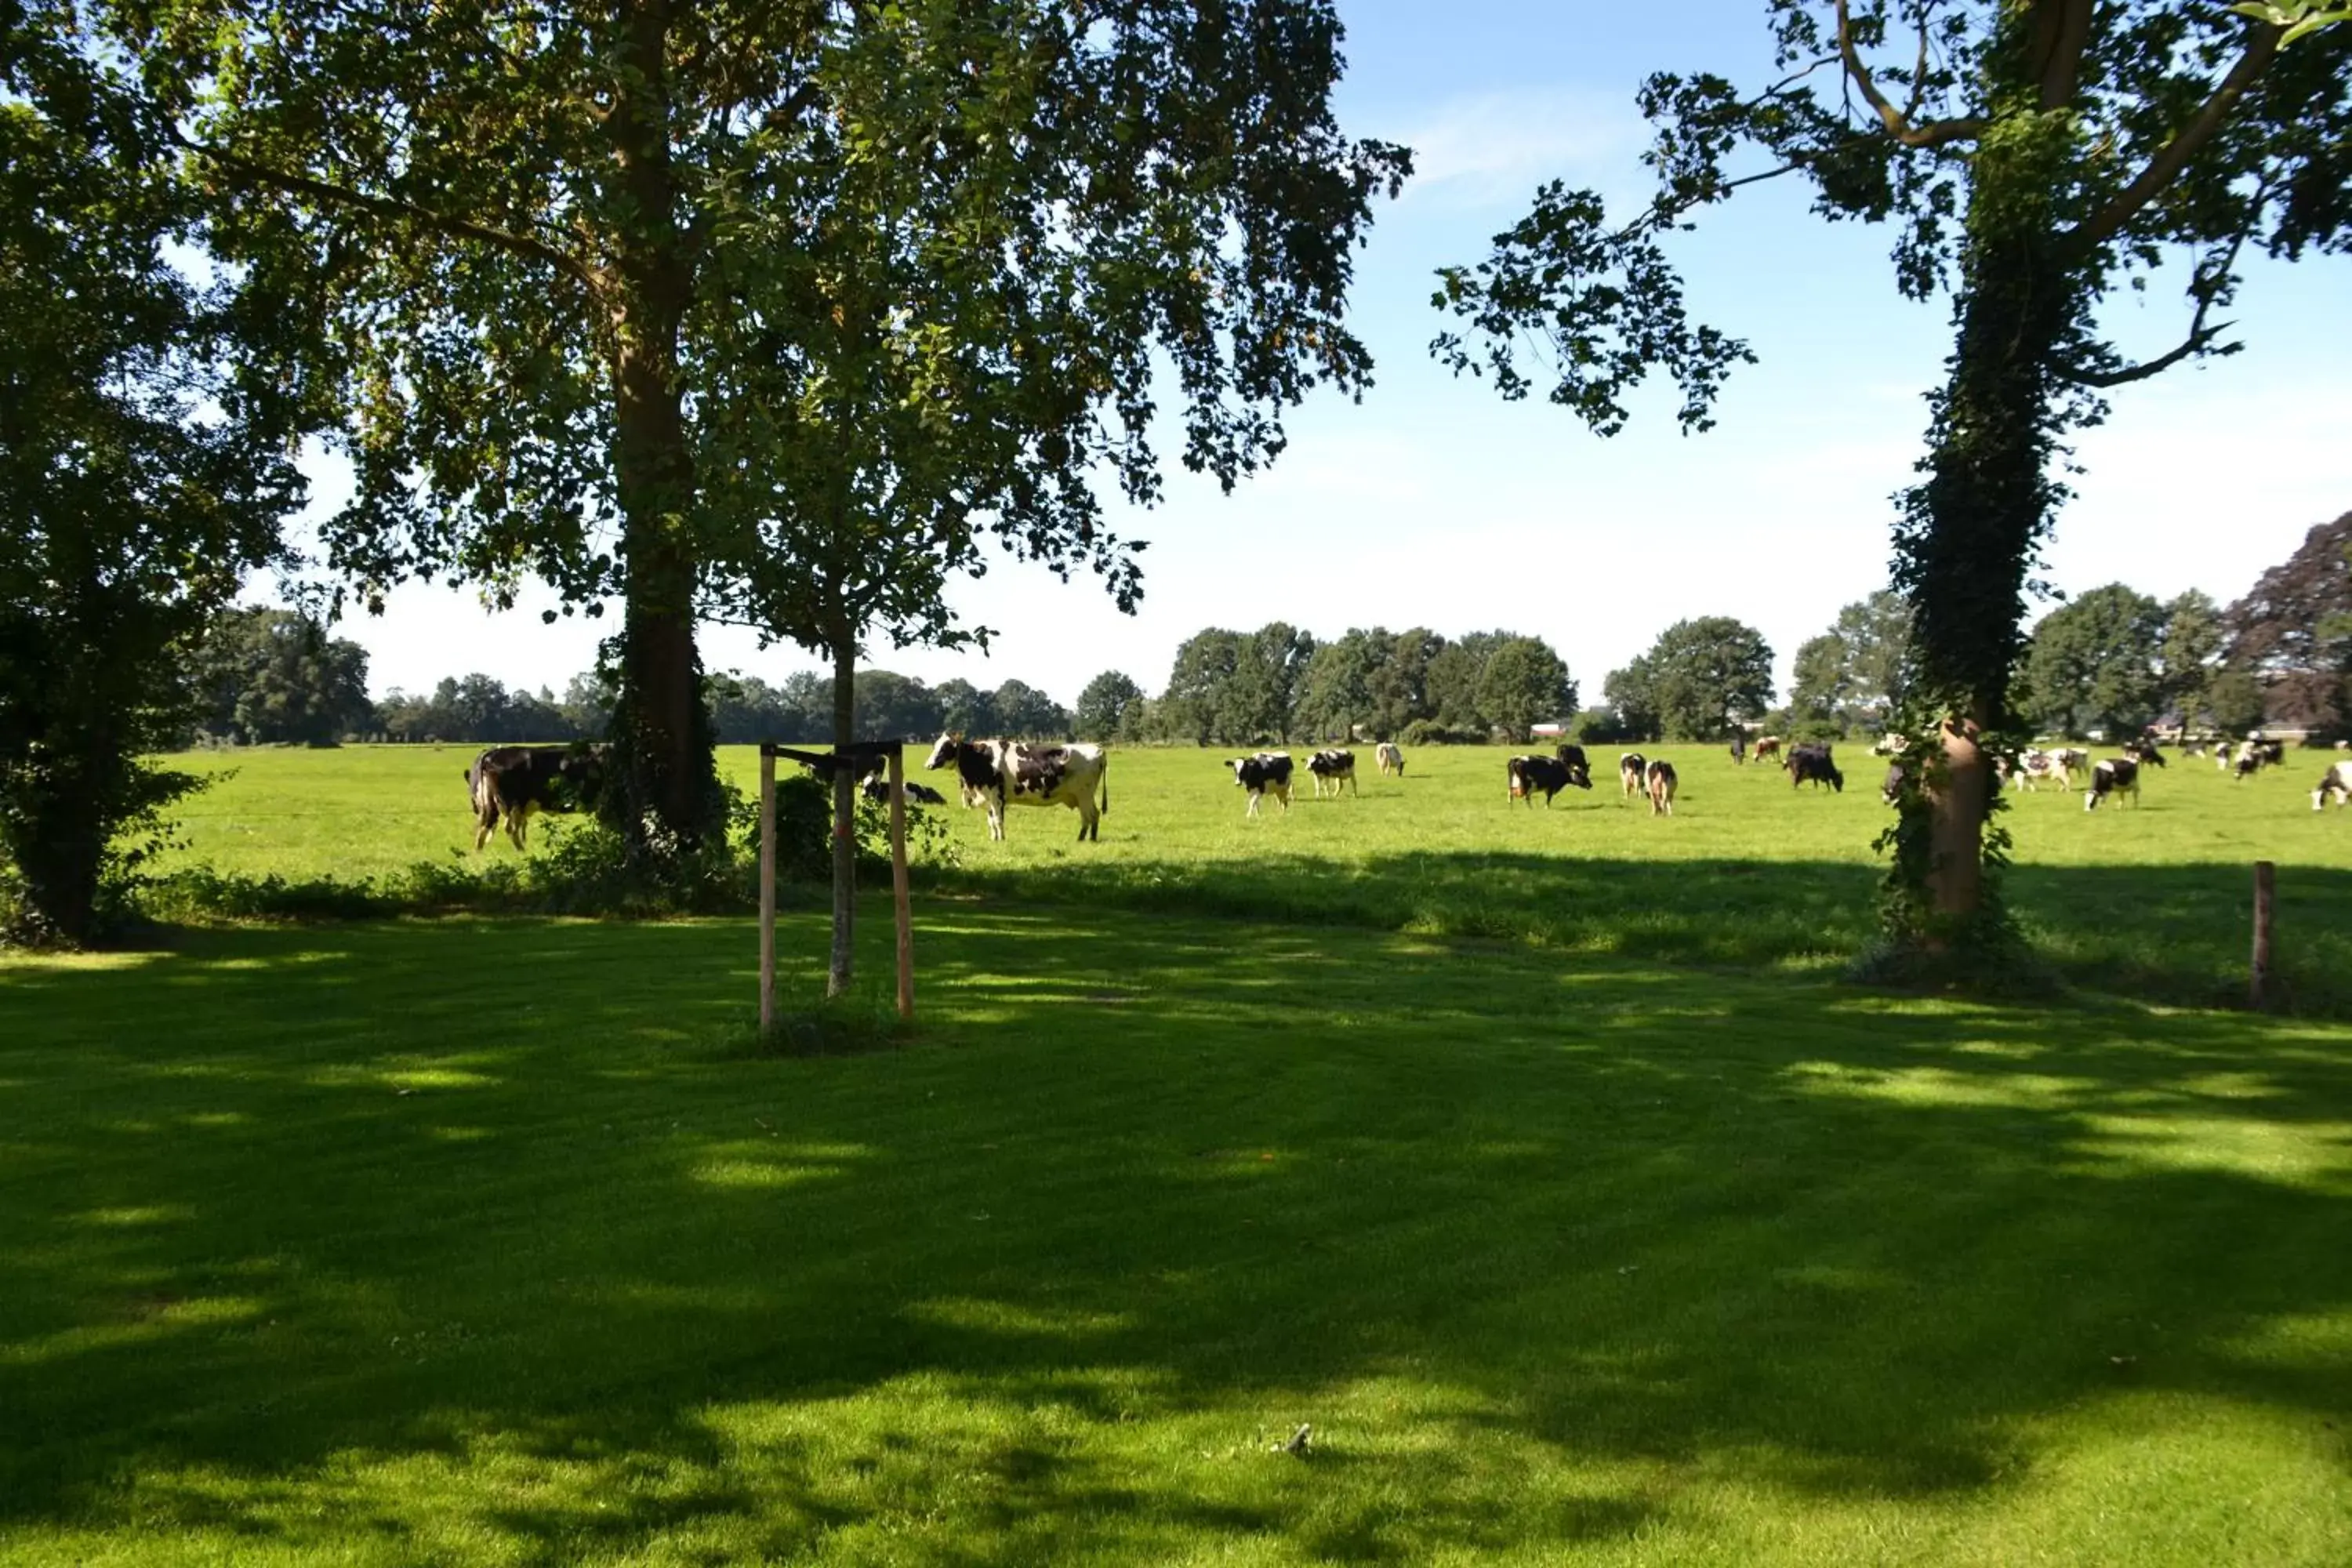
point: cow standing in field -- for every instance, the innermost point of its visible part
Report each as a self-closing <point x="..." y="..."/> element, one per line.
<point x="1268" y="773"/>
<point x="1813" y="762"/>
<point x="1631" y="771"/>
<point x="2337" y="781"/>
<point x="995" y="772"/>
<point x="1526" y="775"/>
<point x="1660" y="778"/>
<point x="1767" y="746"/>
<point x="2043" y="767"/>
<point x="1897" y="775"/>
<point x="1391" y="759"/>
<point x="1579" y="770"/>
<point x="2144" y="752"/>
<point x="1334" y="768"/>
<point x="512" y="781"/>
<point x="2117" y="775"/>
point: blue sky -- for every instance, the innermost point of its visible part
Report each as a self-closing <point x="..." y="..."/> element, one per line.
<point x="1432" y="502"/>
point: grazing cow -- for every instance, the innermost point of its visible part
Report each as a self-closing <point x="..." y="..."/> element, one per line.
<point x="2117" y="775"/>
<point x="878" y="791"/>
<point x="1334" y="768"/>
<point x="1896" y="776"/>
<point x="1813" y="762"/>
<point x="2337" y="781"/>
<point x="995" y="772"/>
<point x="2253" y="756"/>
<point x="1268" y="771"/>
<point x="1767" y="746"/>
<point x="1631" y="771"/>
<point x="1661" y="780"/>
<point x="1580" y="771"/>
<point x="1550" y="774"/>
<point x="2144" y="752"/>
<point x="1391" y="759"/>
<point x="2044" y="767"/>
<point x="512" y="781"/>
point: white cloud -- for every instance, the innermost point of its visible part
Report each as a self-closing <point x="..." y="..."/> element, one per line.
<point x="1498" y="146"/>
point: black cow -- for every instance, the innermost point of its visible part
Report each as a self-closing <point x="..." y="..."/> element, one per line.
<point x="1812" y="761"/>
<point x="878" y="791"/>
<point x="1550" y="774"/>
<point x="2144" y="752"/>
<point x="2117" y="775"/>
<point x="1268" y="771"/>
<point x="1661" y="781"/>
<point x="1580" y="771"/>
<point x="1335" y="768"/>
<point x="512" y="781"/>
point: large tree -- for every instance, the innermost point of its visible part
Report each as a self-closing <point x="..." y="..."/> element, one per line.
<point x="1107" y="707"/>
<point x="1524" y="684"/>
<point x="267" y="676"/>
<point x="2034" y="155"/>
<point x="2094" y="663"/>
<point x="142" y="472"/>
<point x="621" y="299"/>
<point x="2293" y="632"/>
<point x="1699" y="679"/>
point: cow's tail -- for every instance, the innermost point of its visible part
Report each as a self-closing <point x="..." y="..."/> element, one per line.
<point x="1104" y="809"/>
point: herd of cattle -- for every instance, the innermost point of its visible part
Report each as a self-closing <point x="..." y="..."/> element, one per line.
<point x="508" y="783"/>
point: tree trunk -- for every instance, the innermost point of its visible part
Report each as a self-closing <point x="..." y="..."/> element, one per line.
<point x="1973" y="526"/>
<point x="844" y="821"/>
<point x="663" y="773"/>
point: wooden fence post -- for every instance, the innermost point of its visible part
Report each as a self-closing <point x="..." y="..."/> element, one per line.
<point x="898" y="885"/>
<point x="2266" y="890"/>
<point x="767" y="890"/>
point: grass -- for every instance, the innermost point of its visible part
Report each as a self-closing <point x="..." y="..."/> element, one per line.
<point x="471" y="1243"/>
<point x="2152" y="904"/>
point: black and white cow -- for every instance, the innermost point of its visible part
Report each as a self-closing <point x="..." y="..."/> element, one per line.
<point x="1633" y="774"/>
<point x="2073" y="758"/>
<point x="878" y="791"/>
<point x="2043" y="767"/>
<point x="1812" y="762"/>
<point x="2255" y="755"/>
<point x="1391" y="759"/>
<point x="994" y="773"/>
<point x="1579" y="770"/>
<point x="1526" y="775"/>
<point x="512" y="781"/>
<point x="2144" y="752"/>
<point x="2337" y="781"/>
<point x="1660" y="778"/>
<point x="1334" y="767"/>
<point x="1268" y="773"/>
<point x="2117" y="775"/>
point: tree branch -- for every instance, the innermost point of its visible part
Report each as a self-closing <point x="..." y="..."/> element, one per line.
<point x="2173" y="156"/>
<point x="392" y="207"/>
<point x="2065" y="26"/>
<point x="1934" y="133"/>
<point x="2198" y="336"/>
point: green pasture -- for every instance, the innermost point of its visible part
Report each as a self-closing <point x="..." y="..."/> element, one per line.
<point x="2151" y="901"/>
<point x="465" y="1242"/>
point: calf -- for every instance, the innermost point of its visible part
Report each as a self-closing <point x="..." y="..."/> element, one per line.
<point x="1526" y="775"/>
<point x="878" y="791"/>
<point x="2337" y="781"/>
<point x="512" y="781"/>
<point x="1661" y="780"/>
<point x="1266" y="772"/>
<point x="1813" y="762"/>
<point x="1334" y="768"/>
<point x="1630" y="771"/>
<point x="995" y="772"/>
<point x="2117" y="775"/>
<point x="1391" y="759"/>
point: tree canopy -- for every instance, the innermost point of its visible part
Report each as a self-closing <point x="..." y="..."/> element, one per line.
<point x="2293" y="631"/>
<point x="1696" y="681"/>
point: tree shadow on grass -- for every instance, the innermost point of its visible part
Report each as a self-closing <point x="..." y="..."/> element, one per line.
<point x="464" y="1238"/>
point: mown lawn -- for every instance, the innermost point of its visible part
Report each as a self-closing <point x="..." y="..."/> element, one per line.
<point x="2150" y="903"/>
<point x="456" y="1242"/>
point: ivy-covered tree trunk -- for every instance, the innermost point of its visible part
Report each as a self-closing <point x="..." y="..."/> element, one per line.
<point x="1972" y="527"/>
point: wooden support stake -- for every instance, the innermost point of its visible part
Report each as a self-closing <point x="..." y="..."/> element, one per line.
<point x="2265" y="891"/>
<point x="898" y="885"/>
<point x="767" y="891"/>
